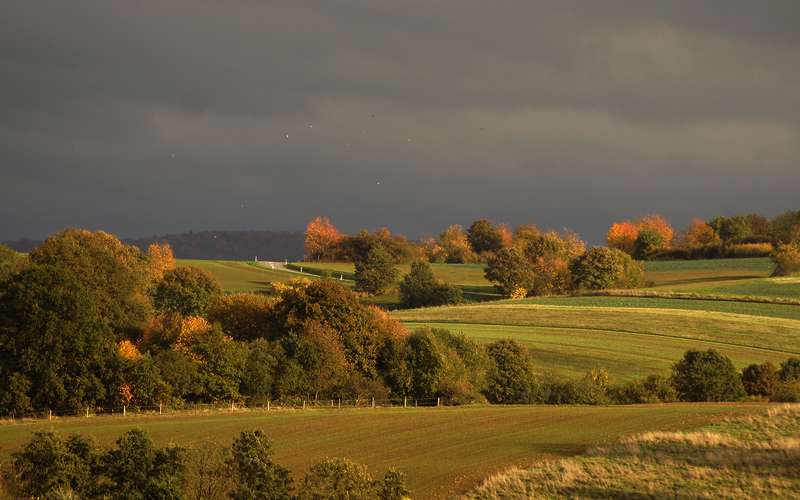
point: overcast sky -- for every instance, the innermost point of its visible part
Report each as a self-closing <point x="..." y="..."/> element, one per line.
<point x="162" y="116"/>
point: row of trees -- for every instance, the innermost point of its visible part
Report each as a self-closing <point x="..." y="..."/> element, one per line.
<point x="750" y="235"/>
<point x="52" y="466"/>
<point x="698" y="376"/>
<point x="553" y="263"/>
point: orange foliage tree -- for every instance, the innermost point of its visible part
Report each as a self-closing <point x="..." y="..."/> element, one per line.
<point x="622" y="236"/>
<point x="700" y="234"/>
<point x="658" y="224"/>
<point x="322" y="239"/>
<point x="159" y="260"/>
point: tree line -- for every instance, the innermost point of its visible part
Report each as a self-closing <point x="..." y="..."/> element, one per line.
<point x="54" y="466"/>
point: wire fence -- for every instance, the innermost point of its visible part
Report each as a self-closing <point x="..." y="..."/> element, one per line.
<point x="220" y="408"/>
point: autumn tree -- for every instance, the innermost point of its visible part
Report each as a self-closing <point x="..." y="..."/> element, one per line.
<point x="159" y="260"/>
<point x="243" y="316"/>
<point x="511" y="272"/>
<point x="730" y="229"/>
<point x="322" y="239"/>
<point x="455" y="244"/>
<point x="603" y="267"/>
<point x="659" y="225"/>
<point x="700" y="234"/>
<point x="10" y="261"/>
<point x="622" y="236"/>
<point x="786" y="259"/>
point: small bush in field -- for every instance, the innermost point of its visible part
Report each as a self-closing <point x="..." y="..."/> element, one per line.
<point x="787" y="260"/>
<point x="787" y="392"/>
<point x="652" y="389"/>
<point x="257" y="476"/>
<point x="790" y="370"/>
<point x="760" y="380"/>
<point x="338" y="478"/>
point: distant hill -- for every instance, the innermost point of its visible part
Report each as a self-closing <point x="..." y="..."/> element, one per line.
<point x="230" y="245"/>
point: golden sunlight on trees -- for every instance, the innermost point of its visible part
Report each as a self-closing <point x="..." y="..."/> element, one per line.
<point x="700" y="233"/>
<point x="159" y="260"/>
<point x="322" y="239"/>
<point x="623" y="235"/>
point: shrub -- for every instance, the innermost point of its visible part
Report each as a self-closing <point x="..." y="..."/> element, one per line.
<point x="760" y="380"/>
<point x="338" y="478"/>
<point x="10" y="262"/>
<point x="257" y="476"/>
<point x="740" y="250"/>
<point x="376" y="273"/>
<point x="420" y="288"/>
<point x="786" y="259"/>
<point x="393" y="486"/>
<point x="790" y="370"/>
<point x="787" y="392"/>
<point x="652" y="389"/>
<point x="188" y="291"/>
<point x="510" y="378"/>
<point x="706" y="376"/>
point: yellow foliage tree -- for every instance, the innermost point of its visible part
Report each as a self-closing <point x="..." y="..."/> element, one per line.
<point x="322" y="239"/>
<point x="159" y="260"/>
<point x="127" y="350"/>
<point x="700" y="234"/>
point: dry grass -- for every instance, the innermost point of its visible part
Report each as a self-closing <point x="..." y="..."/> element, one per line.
<point x="746" y="457"/>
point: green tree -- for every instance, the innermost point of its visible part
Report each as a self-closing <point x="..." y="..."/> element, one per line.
<point x="785" y="228"/>
<point x="339" y="479"/>
<point x="510" y="378"/>
<point x="731" y="229"/>
<point x="376" y="273"/>
<point x="115" y="273"/>
<point x="334" y="307"/>
<point x="425" y="362"/>
<point x="180" y="374"/>
<point x="646" y="243"/>
<point x="221" y="363"/>
<point x="603" y="267"/>
<point x="706" y="376"/>
<point x="53" y="335"/>
<point x="259" y="370"/>
<point x="137" y="470"/>
<point x="786" y="259"/>
<point x="484" y="237"/>
<point x="258" y="477"/>
<point x="511" y="272"/>
<point x="760" y="380"/>
<point x="186" y="290"/>
<point x="50" y="464"/>
<point x="419" y="288"/>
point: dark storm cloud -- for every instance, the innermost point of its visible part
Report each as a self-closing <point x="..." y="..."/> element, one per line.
<point x="147" y="117"/>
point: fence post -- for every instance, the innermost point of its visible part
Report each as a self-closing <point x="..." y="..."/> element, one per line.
<point x="268" y="405"/>
<point x="304" y="404"/>
<point x="373" y="401"/>
<point x="405" y="402"/>
<point x="159" y="408"/>
<point x="415" y="403"/>
<point x="437" y="402"/>
<point x="49" y="414"/>
<point x="87" y="412"/>
<point x="124" y="410"/>
<point x="231" y="406"/>
<point x="340" y="403"/>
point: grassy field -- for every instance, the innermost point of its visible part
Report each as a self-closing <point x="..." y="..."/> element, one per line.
<point x="569" y="340"/>
<point x="238" y="276"/>
<point x="444" y="451"/>
<point x="746" y="457"/>
<point x="464" y="275"/>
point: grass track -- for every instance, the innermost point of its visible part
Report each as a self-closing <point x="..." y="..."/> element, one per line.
<point x="443" y="451"/>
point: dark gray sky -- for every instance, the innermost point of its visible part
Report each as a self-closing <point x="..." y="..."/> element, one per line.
<point x="163" y="116"/>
